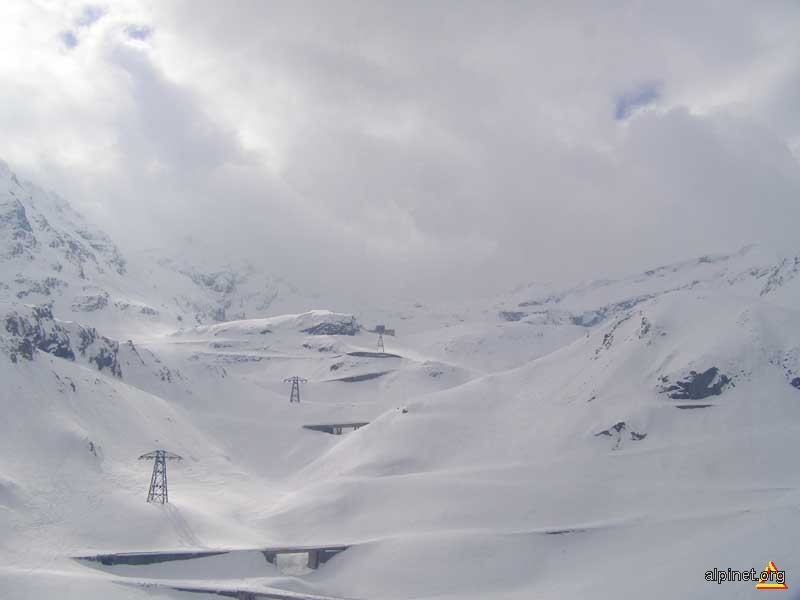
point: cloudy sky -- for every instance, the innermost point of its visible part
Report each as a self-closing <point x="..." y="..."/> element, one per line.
<point x="413" y="147"/>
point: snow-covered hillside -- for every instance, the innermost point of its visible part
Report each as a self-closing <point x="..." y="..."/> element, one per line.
<point x="613" y="439"/>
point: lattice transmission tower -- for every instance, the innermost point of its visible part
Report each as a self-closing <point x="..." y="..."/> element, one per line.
<point x="158" y="482"/>
<point x="380" y="329"/>
<point x="295" y="381"/>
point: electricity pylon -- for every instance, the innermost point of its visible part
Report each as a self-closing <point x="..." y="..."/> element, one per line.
<point x="158" y="482"/>
<point x="380" y="343"/>
<point x="295" y="381"/>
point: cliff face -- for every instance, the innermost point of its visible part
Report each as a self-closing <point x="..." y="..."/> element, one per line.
<point x="31" y="329"/>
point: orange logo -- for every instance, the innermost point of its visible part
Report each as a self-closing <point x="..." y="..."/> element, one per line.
<point x="772" y="579"/>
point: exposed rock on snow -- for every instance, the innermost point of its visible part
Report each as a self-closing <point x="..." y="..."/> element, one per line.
<point x="90" y="303"/>
<point x="45" y="287"/>
<point x="346" y="327"/>
<point x="32" y="328"/>
<point x="696" y="386"/>
<point x="35" y="329"/>
<point x="512" y="315"/>
<point x="617" y="432"/>
<point x="16" y="235"/>
<point x="608" y="338"/>
<point x="785" y="271"/>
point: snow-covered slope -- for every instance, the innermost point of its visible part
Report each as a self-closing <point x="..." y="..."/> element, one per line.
<point x="614" y="439"/>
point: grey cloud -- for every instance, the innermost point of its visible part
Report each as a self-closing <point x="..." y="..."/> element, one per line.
<point x="168" y="123"/>
<point x="449" y="147"/>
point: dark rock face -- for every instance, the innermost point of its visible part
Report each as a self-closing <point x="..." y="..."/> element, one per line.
<point x="327" y="348"/>
<point x="349" y="327"/>
<point x="617" y="432"/>
<point x="25" y="233"/>
<point x="618" y="427"/>
<point x="787" y="270"/>
<point x="16" y="233"/>
<point x="103" y="244"/>
<point x="80" y="251"/>
<point x="34" y="333"/>
<point x="696" y="386"/>
<point x="106" y="359"/>
<point x="645" y="327"/>
<point x="608" y="338"/>
<point x="223" y="282"/>
<point x="46" y="287"/>
<point x="510" y="315"/>
<point x="795" y="382"/>
<point x="90" y="303"/>
<point x="34" y="328"/>
<point x="551" y="299"/>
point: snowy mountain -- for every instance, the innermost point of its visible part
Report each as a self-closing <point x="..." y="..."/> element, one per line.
<point x="612" y="439"/>
<point x="50" y="254"/>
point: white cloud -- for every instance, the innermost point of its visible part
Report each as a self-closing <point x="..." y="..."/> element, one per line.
<point x="414" y="146"/>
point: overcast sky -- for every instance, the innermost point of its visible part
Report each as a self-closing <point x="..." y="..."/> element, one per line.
<point x="413" y="147"/>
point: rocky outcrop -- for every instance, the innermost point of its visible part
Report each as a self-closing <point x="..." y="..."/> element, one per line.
<point x="223" y="282"/>
<point x="102" y="244"/>
<point x="36" y="330"/>
<point x="90" y="303"/>
<point x="778" y="275"/>
<point x="338" y="327"/>
<point x="695" y="386"/>
<point x="48" y="286"/>
<point x="31" y="329"/>
<point x="617" y="433"/>
<point x="608" y="338"/>
<point x="16" y="234"/>
<point x="512" y="315"/>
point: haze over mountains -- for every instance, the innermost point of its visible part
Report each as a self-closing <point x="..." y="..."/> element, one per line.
<point x="575" y="223"/>
<point x="52" y="254"/>
<point x="521" y="447"/>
